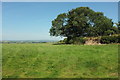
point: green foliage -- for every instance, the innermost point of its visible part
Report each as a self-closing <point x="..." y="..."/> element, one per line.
<point x="58" y="24"/>
<point x="118" y="37"/>
<point x="79" y="40"/>
<point x="45" y="60"/>
<point x="76" y="40"/>
<point x="65" y="40"/>
<point x="71" y="41"/>
<point x="109" y="39"/>
<point x="108" y="32"/>
<point x="115" y="30"/>
<point x="118" y="27"/>
<point x="103" y="39"/>
<point x="81" y="22"/>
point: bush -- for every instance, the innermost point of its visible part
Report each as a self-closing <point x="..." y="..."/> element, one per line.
<point x="118" y="37"/>
<point x="103" y="40"/>
<point x="63" y="41"/>
<point x="78" y="40"/>
<point x="82" y="40"/>
<point x="109" y="39"/>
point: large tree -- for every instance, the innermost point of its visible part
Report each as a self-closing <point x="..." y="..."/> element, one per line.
<point x="80" y="22"/>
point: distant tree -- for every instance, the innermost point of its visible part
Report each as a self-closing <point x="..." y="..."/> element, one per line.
<point x="80" y="22"/>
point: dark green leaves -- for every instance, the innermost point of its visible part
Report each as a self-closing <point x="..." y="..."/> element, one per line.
<point x="79" y="22"/>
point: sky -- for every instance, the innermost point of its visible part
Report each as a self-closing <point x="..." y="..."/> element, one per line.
<point x="32" y="20"/>
<point x="60" y="0"/>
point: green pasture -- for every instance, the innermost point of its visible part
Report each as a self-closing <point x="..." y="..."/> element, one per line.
<point x="45" y="60"/>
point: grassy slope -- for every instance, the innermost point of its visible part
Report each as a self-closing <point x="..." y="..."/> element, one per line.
<point x="59" y="61"/>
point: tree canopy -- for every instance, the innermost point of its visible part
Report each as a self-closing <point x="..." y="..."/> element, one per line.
<point x="81" y="22"/>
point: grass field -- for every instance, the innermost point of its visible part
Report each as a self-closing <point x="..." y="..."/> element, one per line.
<point x="46" y="60"/>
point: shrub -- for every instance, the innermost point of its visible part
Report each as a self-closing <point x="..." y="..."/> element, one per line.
<point x="109" y="39"/>
<point x="103" y="39"/>
<point x="118" y="37"/>
<point x="79" y="40"/>
<point x="82" y="40"/>
<point x="65" y="40"/>
<point x="71" y="41"/>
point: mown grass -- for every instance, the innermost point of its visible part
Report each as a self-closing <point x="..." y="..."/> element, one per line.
<point x="45" y="60"/>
